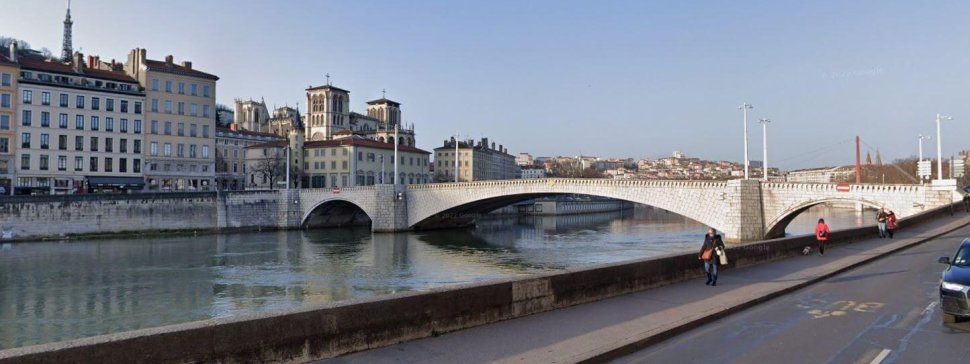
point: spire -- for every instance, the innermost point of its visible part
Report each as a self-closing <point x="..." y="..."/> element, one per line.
<point x="878" y="157"/>
<point x="67" y="50"/>
<point x="868" y="159"/>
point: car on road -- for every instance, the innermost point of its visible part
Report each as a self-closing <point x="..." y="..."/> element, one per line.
<point x="955" y="284"/>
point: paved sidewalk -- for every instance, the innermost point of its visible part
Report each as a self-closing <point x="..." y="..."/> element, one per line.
<point x="608" y="328"/>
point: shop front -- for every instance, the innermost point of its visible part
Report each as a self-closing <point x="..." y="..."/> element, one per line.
<point x="109" y="184"/>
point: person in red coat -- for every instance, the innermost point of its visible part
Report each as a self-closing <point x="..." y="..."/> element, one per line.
<point x="821" y="235"/>
<point x="891" y="224"/>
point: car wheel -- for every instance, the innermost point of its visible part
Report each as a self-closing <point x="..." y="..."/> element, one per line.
<point x="949" y="319"/>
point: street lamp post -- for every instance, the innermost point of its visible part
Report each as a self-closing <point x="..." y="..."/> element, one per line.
<point x="287" y="168"/>
<point x="920" y="138"/>
<point x="456" y="156"/>
<point x="764" y="141"/>
<point x="939" y="146"/>
<point x="396" y="128"/>
<point x="382" y="168"/>
<point x="744" y="109"/>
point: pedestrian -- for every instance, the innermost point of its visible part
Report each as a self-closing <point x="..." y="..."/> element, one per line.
<point x="891" y="223"/>
<point x="821" y="235"/>
<point x="709" y="254"/>
<point x="881" y="221"/>
<point x="966" y="201"/>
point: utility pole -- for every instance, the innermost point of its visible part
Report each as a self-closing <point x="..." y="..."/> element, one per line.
<point x="764" y="134"/>
<point x="744" y="109"/>
<point x="939" y="146"/>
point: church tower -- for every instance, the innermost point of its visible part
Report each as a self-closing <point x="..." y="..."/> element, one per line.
<point x="67" y="51"/>
<point x="328" y="113"/>
<point x="387" y="111"/>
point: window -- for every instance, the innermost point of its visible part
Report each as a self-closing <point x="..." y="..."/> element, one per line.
<point x="205" y="131"/>
<point x="192" y="130"/>
<point x="168" y="106"/>
<point x="154" y="84"/>
<point x="123" y="165"/>
<point x="4" y="145"/>
<point x="168" y="85"/>
<point x="205" y="111"/>
<point x="94" y="144"/>
<point x="79" y="102"/>
<point x="95" y="103"/>
<point x="195" y="90"/>
<point x="168" y="128"/>
<point x="63" y="100"/>
<point x="124" y="125"/>
<point x="205" y="151"/>
<point x="182" y="88"/>
<point x="62" y="163"/>
<point x="62" y="142"/>
<point x="25" y="161"/>
<point x="193" y="109"/>
<point x="25" y="118"/>
<point x="153" y="148"/>
<point x="25" y="140"/>
<point x="94" y="164"/>
<point x="168" y="149"/>
<point x="5" y="101"/>
<point x="109" y="105"/>
<point x="192" y="151"/>
<point x="154" y="126"/>
<point x="181" y="129"/>
<point x="137" y="107"/>
<point x="28" y="97"/>
<point x="205" y="91"/>
<point x="108" y="167"/>
<point x="154" y="105"/>
<point x="95" y="123"/>
<point x="343" y="165"/>
<point x="181" y="151"/>
<point x="181" y="108"/>
<point x="78" y="164"/>
<point x="45" y="98"/>
<point x="78" y="121"/>
<point x="136" y="146"/>
<point x="109" y="145"/>
<point x="136" y="165"/>
<point x="137" y="127"/>
<point x="45" y="141"/>
<point x="6" y="79"/>
<point x="122" y="145"/>
<point x="45" y="119"/>
<point x="360" y="156"/>
<point x="109" y="124"/>
<point x="124" y="105"/>
<point x="78" y="143"/>
<point x="45" y="162"/>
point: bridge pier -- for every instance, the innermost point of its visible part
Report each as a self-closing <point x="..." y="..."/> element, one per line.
<point x="391" y="213"/>
<point x="744" y="220"/>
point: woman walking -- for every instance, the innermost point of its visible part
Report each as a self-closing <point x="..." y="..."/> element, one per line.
<point x="821" y="235"/>
<point x="709" y="254"/>
<point x="891" y="223"/>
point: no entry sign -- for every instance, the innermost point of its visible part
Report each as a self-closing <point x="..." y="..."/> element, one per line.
<point x="842" y="187"/>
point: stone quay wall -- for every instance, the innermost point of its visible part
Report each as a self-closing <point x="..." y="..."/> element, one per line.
<point x="60" y="217"/>
<point x="338" y="328"/>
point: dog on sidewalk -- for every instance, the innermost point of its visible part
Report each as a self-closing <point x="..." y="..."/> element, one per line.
<point x="807" y="250"/>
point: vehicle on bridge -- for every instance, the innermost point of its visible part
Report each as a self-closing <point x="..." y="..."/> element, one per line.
<point x="955" y="285"/>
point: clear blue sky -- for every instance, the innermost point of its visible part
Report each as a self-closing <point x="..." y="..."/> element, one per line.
<point x="607" y="78"/>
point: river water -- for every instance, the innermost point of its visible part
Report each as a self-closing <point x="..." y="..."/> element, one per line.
<point x="54" y="291"/>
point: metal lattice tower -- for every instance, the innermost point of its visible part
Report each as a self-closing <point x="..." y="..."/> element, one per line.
<point x="67" y="50"/>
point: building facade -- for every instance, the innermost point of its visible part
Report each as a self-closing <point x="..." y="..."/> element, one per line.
<point x="231" y="151"/>
<point x="80" y="127"/>
<point x="180" y="118"/>
<point x="9" y="73"/>
<point x="476" y="162"/>
<point x="252" y="115"/>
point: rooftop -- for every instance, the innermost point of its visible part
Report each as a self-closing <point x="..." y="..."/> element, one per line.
<point x="327" y="87"/>
<point x="384" y="100"/>
<point x="177" y="69"/>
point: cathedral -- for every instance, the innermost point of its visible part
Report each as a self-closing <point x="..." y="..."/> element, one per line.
<point x="329" y="117"/>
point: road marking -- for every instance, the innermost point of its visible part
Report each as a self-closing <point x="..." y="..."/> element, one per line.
<point x="882" y="356"/>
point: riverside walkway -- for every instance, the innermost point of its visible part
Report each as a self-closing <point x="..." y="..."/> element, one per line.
<point x="622" y="325"/>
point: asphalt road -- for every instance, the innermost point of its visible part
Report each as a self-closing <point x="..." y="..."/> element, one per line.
<point x="883" y="312"/>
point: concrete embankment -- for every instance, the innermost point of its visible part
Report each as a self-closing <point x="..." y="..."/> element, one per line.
<point x="343" y="327"/>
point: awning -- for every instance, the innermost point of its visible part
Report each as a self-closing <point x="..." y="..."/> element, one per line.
<point x="129" y="182"/>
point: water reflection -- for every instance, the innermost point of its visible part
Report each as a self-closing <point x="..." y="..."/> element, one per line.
<point x="52" y="291"/>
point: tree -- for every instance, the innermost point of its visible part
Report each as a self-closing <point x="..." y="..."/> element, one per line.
<point x="272" y="167"/>
<point x="221" y="112"/>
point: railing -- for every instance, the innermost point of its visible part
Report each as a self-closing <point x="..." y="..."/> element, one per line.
<point x="853" y="187"/>
<point x="573" y="182"/>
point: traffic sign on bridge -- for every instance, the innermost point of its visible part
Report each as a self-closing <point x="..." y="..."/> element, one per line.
<point x="924" y="169"/>
<point x="843" y="187"/>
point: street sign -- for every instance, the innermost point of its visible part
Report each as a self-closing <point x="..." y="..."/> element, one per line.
<point x="336" y="189"/>
<point x="842" y="187"/>
<point x="924" y="168"/>
<point x="959" y="168"/>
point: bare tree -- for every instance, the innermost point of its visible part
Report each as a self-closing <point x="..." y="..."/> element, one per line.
<point x="272" y="167"/>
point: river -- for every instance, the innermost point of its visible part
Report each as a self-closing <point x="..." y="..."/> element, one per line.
<point x="54" y="291"/>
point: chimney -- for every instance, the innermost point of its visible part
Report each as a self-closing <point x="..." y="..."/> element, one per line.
<point x="493" y="145"/>
<point x="91" y="62"/>
<point x="187" y="64"/>
<point x="78" y="62"/>
<point x="233" y="126"/>
<point x="500" y="148"/>
<point x="113" y="64"/>
<point x="169" y="59"/>
<point x="13" y="51"/>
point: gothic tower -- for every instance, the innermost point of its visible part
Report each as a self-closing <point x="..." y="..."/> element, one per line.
<point x="67" y="50"/>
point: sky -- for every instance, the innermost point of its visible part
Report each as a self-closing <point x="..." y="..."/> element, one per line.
<point x="636" y="79"/>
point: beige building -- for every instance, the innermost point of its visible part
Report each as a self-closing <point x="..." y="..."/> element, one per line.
<point x="476" y="162"/>
<point x="230" y="149"/>
<point x="9" y="73"/>
<point x="80" y="127"/>
<point x="285" y="120"/>
<point x="251" y="115"/>
<point x="180" y="118"/>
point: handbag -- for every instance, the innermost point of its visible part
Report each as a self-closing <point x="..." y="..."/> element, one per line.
<point x="707" y="254"/>
<point x="722" y="256"/>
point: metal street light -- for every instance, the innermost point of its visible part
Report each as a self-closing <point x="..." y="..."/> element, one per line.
<point x="764" y="134"/>
<point x="939" y="146"/>
<point x="744" y="109"/>
<point x="456" y="156"/>
<point x="921" y="137"/>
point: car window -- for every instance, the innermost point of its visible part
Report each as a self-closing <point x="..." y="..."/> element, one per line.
<point x="962" y="257"/>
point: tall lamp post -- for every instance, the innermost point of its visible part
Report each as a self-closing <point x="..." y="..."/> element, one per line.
<point x="456" y="156"/>
<point x="287" y="167"/>
<point x="764" y="135"/>
<point x="396" y="127"/>
<point x="744" y="109"/>
<point x="939" y="146"/>
<point x="920" y="138"/>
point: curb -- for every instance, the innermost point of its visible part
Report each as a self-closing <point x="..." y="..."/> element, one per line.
<point x="652" y="339"/>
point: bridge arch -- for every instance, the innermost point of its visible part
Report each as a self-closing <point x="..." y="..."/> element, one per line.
<point x="335" y="212"/>
<point x="776" y="227"/>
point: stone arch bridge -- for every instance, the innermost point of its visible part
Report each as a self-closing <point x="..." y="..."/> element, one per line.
<point x="743" y="209"/>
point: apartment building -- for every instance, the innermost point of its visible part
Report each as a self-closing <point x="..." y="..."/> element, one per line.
<point x="9" y="72"/>
<point x="231" y="150"/>
<point x="476" y="162"/>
